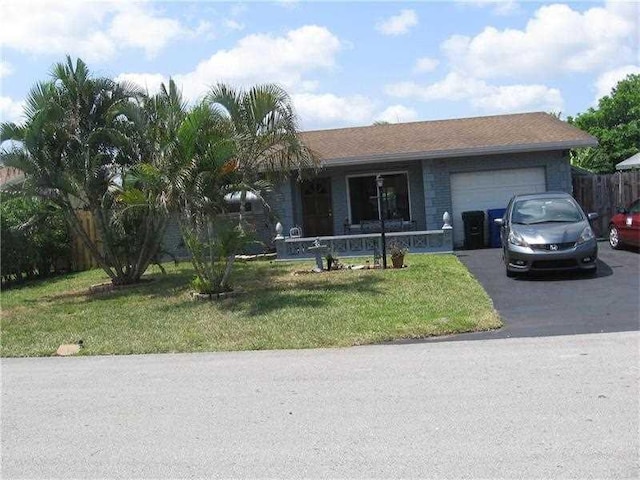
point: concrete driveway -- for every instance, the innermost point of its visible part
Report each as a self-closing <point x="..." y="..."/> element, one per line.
<point x="560" y="303"/>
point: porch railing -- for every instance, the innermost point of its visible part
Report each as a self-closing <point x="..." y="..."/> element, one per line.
<point x="366" y="244"/>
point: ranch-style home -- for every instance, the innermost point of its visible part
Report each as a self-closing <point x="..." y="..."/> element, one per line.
<point x="428" y="168"/>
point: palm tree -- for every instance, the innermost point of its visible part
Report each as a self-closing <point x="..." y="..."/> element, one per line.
<point x="203" y="172"/>
<point x="84" y="146"/>
<point x="265" y="135"/>
<point x="256" y="142"/>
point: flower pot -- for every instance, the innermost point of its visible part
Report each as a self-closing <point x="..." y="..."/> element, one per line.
<point x="398" y="261"/>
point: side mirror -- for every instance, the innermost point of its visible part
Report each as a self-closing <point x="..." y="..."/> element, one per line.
<point x="592" y="216"/>
<point x="498" y="221"/>
<point x="622" y="210"/>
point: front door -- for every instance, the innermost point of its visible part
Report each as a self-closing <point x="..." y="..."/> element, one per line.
<point x="317" y="216"/>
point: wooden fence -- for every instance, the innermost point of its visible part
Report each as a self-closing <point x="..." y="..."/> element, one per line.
<point x="604" y="194"/>
<point x="81" y="258"/>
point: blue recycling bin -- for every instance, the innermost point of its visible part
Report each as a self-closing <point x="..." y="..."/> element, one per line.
<point x="494" y="230"/>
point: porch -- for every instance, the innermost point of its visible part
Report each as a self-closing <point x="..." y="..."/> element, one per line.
<point x="366" y="244"/>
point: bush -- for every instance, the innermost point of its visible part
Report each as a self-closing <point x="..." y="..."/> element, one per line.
<point x="35" y="241"/>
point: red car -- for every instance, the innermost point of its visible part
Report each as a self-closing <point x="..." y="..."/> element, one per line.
<point x="624" y="228"/>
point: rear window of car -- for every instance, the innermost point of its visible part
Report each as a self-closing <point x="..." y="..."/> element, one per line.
<point x="542" y="210"/>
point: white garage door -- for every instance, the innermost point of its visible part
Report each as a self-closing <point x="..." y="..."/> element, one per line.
<point x="488" y="190"/>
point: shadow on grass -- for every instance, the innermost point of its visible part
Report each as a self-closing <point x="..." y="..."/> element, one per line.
<point x="40" y="282"/>
<point x="153" y="285"/>
<point x="270" y="287"/>
<point x="158" y="285"/>
<point x="264" y="295"/>
<point x="309" y="293"/>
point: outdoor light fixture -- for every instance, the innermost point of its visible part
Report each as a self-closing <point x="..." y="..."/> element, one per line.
<point x="380" y="184"/>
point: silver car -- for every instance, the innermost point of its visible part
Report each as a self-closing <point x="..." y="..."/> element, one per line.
<point x="547" y="231"/>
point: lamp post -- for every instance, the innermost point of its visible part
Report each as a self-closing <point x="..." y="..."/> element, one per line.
<point x="380" y="184"/>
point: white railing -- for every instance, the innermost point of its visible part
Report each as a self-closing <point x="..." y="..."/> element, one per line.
<point x="364" y="244"/>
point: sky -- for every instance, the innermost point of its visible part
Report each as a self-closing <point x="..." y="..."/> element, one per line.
<point x="343" y="63"/>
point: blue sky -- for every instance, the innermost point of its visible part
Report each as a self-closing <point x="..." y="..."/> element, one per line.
<point x="343" y="63"/>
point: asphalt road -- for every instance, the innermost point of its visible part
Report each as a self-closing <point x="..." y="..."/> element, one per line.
<point x="564" y="406"/>
<point x="559" y="303"/>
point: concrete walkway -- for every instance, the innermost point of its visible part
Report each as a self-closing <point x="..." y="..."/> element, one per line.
<point x="551" y="407"/>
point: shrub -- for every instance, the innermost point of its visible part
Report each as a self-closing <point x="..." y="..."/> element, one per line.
<point x="35" y="241"/>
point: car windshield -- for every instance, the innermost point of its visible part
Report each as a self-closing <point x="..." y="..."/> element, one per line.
<point x="543" y="210"/>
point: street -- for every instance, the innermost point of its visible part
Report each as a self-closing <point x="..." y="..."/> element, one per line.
<point x="562" y="406"/>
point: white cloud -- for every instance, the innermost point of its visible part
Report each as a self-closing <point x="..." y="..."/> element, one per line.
<point x="11" y="110"/>
<point x="608" y="80"/>
<point x="452" y="87"/>
<point x="255" y="59"/>
<point x="518" y="98"/>
<point x="398" y="24"/>
<point x="149" y="81"/>
<point x="557" y="39"/>
<point x="262" y="58"/>
<point x="5" y="69"/>
<point x="481" y="95"/>
<point x="43" y="27"/>
<point x="500" y="7"/>
<point x="233" y="24"/>
<point x="288" y="4"/>
<point x="425" y="64"/>
<point x="93" y="30"/>
<point x="326" y="110"/>
<point x="397" y="114"/>
<point x="135" y="27"/>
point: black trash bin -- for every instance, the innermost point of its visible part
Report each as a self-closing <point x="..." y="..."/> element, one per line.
<point x="473" y="229"/>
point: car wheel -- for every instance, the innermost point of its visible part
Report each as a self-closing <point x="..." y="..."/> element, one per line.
<point x="614" y="237"/>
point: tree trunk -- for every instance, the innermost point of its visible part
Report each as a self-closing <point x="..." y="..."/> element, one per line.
<point x="76" y="226"/>
<point x="109" y="257"/>
<point x="227" y="272"/>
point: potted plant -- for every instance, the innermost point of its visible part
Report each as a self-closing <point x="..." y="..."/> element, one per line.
<point x="397" y="252"/>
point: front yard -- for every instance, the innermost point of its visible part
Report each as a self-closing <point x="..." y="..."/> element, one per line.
<point x="436" y="295"/>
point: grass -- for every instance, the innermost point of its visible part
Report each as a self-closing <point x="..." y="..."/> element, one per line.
<point x="436" y="295"/>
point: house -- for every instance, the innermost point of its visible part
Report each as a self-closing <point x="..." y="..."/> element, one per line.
<point x="630" y="163"/>
<point x="428" y="168"/>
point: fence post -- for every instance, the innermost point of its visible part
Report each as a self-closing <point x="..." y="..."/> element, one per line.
<point x="447" y="232"/>
<point x="279" y="241"/>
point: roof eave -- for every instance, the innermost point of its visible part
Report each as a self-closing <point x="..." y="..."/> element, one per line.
<point x="461" y="152"/>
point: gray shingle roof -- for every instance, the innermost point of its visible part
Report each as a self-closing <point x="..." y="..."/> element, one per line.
<point x="446" y="138"/>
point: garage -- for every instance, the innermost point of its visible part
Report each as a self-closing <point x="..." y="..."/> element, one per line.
<point x="490" y="189"/>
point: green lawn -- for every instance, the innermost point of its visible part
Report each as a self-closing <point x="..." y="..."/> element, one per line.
<point x="436" y="295"/>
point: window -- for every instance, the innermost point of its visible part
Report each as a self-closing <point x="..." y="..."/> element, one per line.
<point x="363" y="198"/>
<point x="562" y="210"/>
<point x="234" y="207"/>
